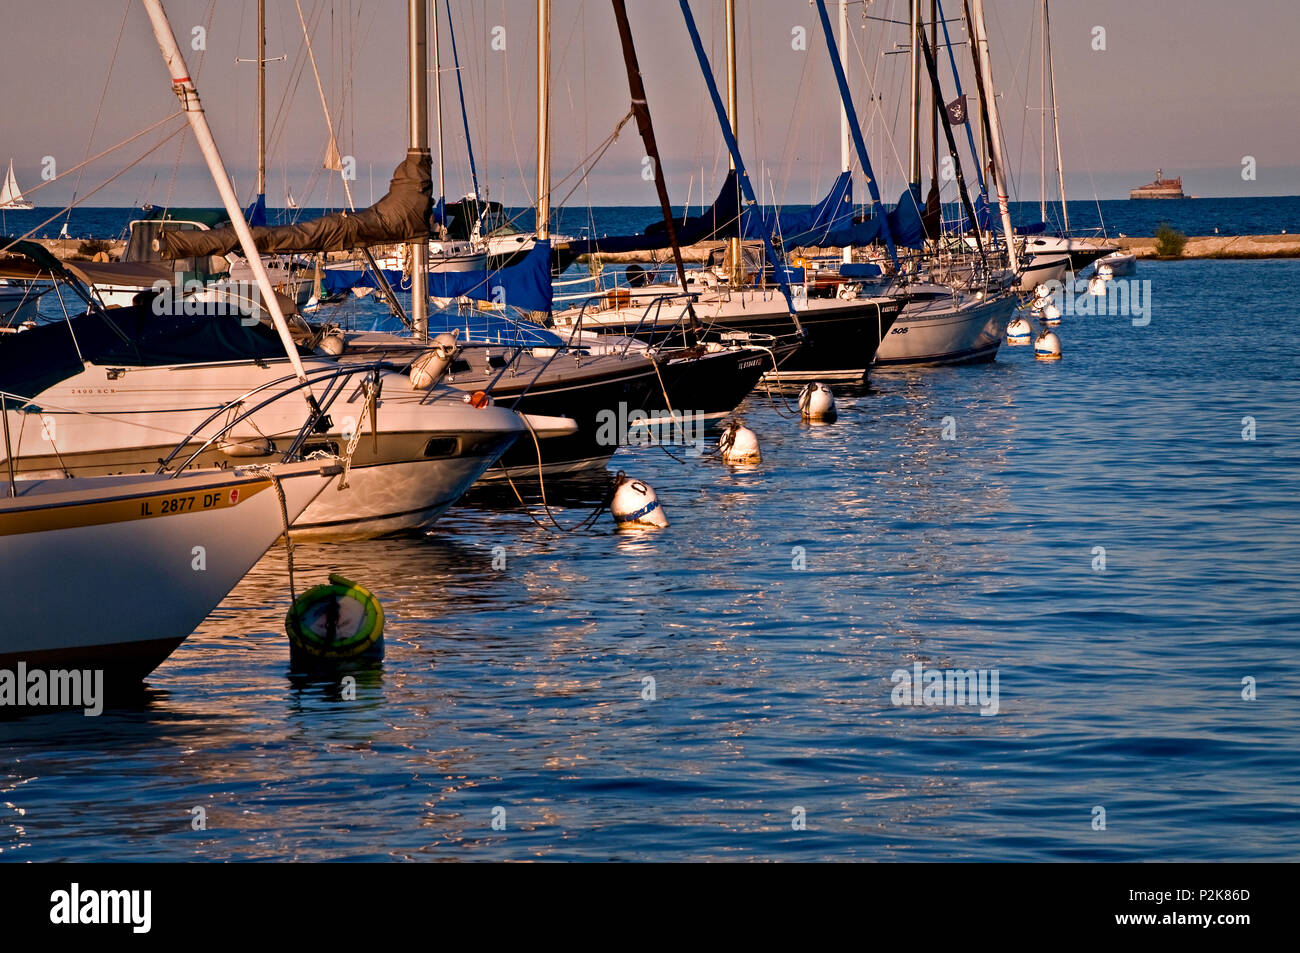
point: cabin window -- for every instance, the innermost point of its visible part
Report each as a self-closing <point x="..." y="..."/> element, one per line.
<point x="442" y="447"/>
<point x="329" y="447"/>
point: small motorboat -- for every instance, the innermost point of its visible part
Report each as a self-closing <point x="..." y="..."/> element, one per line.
<point x="1117" y="264"/>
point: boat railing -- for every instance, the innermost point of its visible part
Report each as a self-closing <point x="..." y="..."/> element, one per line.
<point x="653" y="303"/>
<point x="333" y="378"/>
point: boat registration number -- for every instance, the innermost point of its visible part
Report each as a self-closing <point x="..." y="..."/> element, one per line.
<point x="170" y="505"/>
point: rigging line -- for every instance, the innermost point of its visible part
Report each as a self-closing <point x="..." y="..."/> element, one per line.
<point x="956" y="78"/>
<point x="590" y="160"/>
<point x="877" y="110"/>
<point x="279" y="124"/>
<point x="99" y="109"/>
<point x="464" y="114"/>
<point x="794" y="130"/>
<point x="179" y="129"/>
<point x="329" y="122"/>
<point x="198" y="73"/>
<point x="511" y="105"/>
<point x="125" y="142"/>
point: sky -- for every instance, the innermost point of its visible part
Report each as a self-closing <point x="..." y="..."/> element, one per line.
<point x="1200" y="88"/>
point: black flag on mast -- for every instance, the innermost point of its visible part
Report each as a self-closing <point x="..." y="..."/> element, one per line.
<point x="957" y="110"/>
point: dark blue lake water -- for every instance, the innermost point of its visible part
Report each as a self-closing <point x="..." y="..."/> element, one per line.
<point x="1267" y="215"/>
<point x="519" y="693"/>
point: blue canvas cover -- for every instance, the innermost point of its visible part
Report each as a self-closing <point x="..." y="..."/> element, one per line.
<point x="525" y="285"/>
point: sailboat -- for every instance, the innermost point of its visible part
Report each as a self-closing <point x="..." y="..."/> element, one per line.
<point x="11" y="197"/>
<point x="587" y="375"/>
<point x="117" y="541"/>
<point x="946" y="320"/>
<point x="835" y="329"/>
<point x="289" y="201"/>
<point x="1042" y="248"/>
<point x="538" y="372"/>
<point x="218" y="381"/>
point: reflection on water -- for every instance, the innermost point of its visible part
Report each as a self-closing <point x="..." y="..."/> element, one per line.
<point x="676" y="694"/>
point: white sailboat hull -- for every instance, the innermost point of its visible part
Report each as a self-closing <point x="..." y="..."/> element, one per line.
<point x="946" y="330"/>
<point x="1043" y="269"/>
<point x="432" y="445"/>
<point x="114" y="572"/>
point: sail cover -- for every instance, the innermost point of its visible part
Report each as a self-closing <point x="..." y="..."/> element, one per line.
<point x="525" y="285"/>
<point x="829" y="223"/>
<point x="401" y="215"/>
<point x="806" y="228"/>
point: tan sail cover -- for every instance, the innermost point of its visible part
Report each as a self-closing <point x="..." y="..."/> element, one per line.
<point x="401" y="215"/>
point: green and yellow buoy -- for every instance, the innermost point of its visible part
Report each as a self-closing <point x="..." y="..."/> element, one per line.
<point x="336" y="623"/>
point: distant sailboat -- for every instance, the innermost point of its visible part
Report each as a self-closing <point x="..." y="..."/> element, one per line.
<point x="10" y="195"/>
<point x="289" y="200"/>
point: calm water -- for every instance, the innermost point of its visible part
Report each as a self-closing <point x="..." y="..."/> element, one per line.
<point x="522" y="688"/>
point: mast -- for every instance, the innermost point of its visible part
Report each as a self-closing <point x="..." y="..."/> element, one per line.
<point x="1056" y="126"/>
<point x="914" y="141"/>
<point x="419" y="250"/>
<point x="184" y="89"/>
<point x="437" y="98"/>
<point x="1042" y="124"/>
<point x="261" y="100"/>
<point x="543" y="119"/>
<point x="641" y="109"/>
<point x="933" y="67"/>
<point x="937" y="103"/>
<point x="845" y="145"/>
<point x="994" y="131"/>
<point x="877" y="207"/>
<point x="733" y="118"/>
<point x="742" y="177"/>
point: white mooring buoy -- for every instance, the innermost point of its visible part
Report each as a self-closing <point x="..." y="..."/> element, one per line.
<point x="635" y="506"/>
<point x="1051" y="315"/>
<point x="1047" y="347"/>
<point x="738" y="444"/>
<point x="1018" y="332"/>
<point x="817" y="402"/>
<point x="1097" y="286"/>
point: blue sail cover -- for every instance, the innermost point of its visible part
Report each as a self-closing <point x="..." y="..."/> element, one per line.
<point x="256" y="213"/>
<point x="905" y="220"/>
<point x="904" y="225"/>
<point x="719" y="221"/>
<point x="982" y="213"/>
<point x="827" y="224"/>
<point x="526" y="285"/>
<point x="809" y="227"/>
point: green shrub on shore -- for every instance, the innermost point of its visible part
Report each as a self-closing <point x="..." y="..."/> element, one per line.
<point x="92" y="246"/>
<point x="1169" y="241"/>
